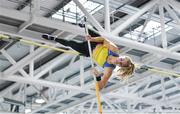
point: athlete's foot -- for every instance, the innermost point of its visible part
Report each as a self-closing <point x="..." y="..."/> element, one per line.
<point x="48" y="37"/>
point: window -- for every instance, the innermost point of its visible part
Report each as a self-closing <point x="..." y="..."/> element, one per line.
<point x="72" y="13"/>
<point x="151" y="30"/>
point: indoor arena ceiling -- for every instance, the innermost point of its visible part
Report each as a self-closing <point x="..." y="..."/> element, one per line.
<point x="146" y="30"/>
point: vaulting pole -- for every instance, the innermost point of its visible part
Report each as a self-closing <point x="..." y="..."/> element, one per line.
<point x="96" y="82"/>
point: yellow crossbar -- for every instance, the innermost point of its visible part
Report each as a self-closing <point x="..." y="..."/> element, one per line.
<point x="40" y="45"/>
<point x="160" y="71"/>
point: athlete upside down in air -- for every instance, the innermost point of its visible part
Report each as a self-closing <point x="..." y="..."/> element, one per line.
<point x="104" y="54"/>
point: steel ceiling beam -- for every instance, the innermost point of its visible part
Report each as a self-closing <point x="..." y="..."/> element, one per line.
<point x="133" y="10"/>
<point x="25" y="61"/>
<point x="12" y="61"/>
<point x="90" y="18"/>
<point x="42" y="21"/>
<point x="58" y="7"/>
<point x="128" y="22"/>
<point x="40" y="82"/>
<point x="142" y="46"/>
<point x="163" y="32"/>
<point x="104" y="91"/>
<point x="107" y="16"/>
<point x="23" y="4"/>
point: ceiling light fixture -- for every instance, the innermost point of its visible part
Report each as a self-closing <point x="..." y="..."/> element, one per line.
<point x="40" y="100"/>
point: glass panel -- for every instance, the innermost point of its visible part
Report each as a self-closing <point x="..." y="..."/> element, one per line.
<point x="73" y="14"/>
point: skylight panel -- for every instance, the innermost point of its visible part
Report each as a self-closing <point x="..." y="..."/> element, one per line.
<point x="73" y="14"/>
<point x="152" y="29"/>
<point x="152" y="25"/>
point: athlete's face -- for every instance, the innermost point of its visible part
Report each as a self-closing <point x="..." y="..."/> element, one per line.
<point x="122" y="62"/>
